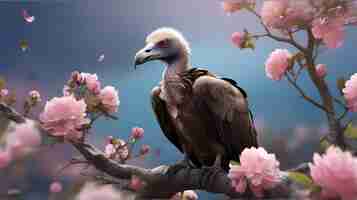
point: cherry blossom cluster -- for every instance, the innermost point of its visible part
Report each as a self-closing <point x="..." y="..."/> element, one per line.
<point x="333" y="175"/>
<point x="257" y="169"/>
<point x="83" y="101"/>
<point x="120" y="150"/>
<point x="22" y="139"/>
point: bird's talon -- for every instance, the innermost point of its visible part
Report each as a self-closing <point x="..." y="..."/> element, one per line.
<point x="179" y="165"/>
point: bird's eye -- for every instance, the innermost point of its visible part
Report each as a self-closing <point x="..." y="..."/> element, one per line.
<point x="163" y="44"/>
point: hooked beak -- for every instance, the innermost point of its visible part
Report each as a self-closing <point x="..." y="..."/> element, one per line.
<point x="146" y="54"/>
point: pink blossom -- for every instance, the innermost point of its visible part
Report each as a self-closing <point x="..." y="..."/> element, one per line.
<point x="277" y="64"/>
<point x="28" y="18"/>
<point x="4" y="92"/>
<point x="238" y="39"/>
<point x="190" y="195"/>
<point x="258" y="170"/>
<point x="56" y="187"/>
<point x="321" y="70"/>
<point x="92" y="82"/>
<point x="296" y="15"/>
<point x="336" y="173"/>
<point x="109" y="140"/>
<point x="116" y="149"/>
<point x="350" y="93"/>
<point x="331" y="31"/>
<point x="23" y="139"/>
<point x="34" y="94"/>
<point x="231" y="6"/>
<point x="109" y="98"/>
<point x="92" y="191"/>
<point x="186" y="195"/>
<point x="122" y="150"/>
<point x="273" y="11"/>
<point x="285" y="14"/>
<point x="64" y="116"/>
<point x="137" y="133"/>
<point x="136" y="183"/>
<point x="109" y="150"/>
<point x="5" y="158"/>
<point x="145" y="149"/>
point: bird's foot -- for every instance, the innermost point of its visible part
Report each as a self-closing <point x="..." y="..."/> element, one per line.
<point x="185" y="163"/>
<point x="216" y="167"/>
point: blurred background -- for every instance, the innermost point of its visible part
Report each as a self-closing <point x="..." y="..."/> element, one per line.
<point x="71" y="35"/>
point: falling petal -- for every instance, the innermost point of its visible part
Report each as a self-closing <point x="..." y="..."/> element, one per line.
<point x="24" y="45"/>
<point x="101" y="58"/>
<point x="28" y="18"/>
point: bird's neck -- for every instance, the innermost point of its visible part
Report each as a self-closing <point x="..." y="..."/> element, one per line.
<point x="177" y="67"/>
<point x="172" y="89"/>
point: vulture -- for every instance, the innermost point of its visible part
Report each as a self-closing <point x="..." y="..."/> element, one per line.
<point x="206" y="117"/>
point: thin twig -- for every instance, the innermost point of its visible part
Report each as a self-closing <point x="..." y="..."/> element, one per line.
<point x="73" y="161"/>
<point x="275" y="37"/>
<point x="343" y="115"/>
<point x="345" y="108"/>
<point x="257" y="36"/>
<point x="302" y="93"/>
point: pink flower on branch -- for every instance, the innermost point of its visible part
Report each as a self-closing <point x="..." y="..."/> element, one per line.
<point x="137" y="133"/>
<point x="24" y="139"/>
<point x="144" y="149"/>
<point x="109" y="150"/>
<point x="110" y="99"/>
<point x="136" y="183"/>
<point x="190" y="195"/>
<point x="91" y="81"/>
<point x="64" y="117"/>
<point x="230" y="6"/>
<point x="4" y="92"/>
<point x="277" y="64"/>
<point x="321" y="70"/>
<point x="336" y="173"/>
<point x="116" y="149"/>
<point x="238" y="39"/>
<point x="92" y="191"/>
<point x="350" y="93"/>
<point x="258" y="169"/>
<point x="186" y="195"/>
<point x="286" y="14"/>
<point x="330" y="30"/>
<point x="56" y="187"/>
<point x="5" y="158"/>
<point x="273" y="11"/>
<point x="35" y="95"/>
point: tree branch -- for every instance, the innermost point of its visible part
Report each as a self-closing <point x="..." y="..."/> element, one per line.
<point x="335" y="126"/>
<point x="303" y="95"/>
<point x="275" y="37"/>
<point x="164" y="181"/>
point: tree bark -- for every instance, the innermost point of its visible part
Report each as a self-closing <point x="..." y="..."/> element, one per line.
<point x="335" y="135"/>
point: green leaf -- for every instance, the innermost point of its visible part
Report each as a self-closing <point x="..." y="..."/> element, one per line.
<point x="301" y="179"/>
<point x="351" y="131"/>
<point x="50" y="140"/>
<point x="233" y="162"/>
<point x="132" y="141"/>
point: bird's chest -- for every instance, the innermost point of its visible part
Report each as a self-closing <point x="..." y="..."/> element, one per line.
<point x="189" y="121"/>
<point x="173" y="92"/>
